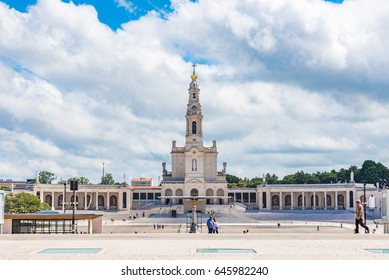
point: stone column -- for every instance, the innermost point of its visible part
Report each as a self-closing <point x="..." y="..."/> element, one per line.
<point x="259" y="198"/>
<point x="129" y="199"/>
<point x="303" y="200"/>
<point x="108" y="206"/>
<point x="314" y="201"/>
<point x="325" y="200"/>
<point x="97" y="201"/>
<point x="85" y="200"/>
<point x="120" y="200"/>
<point x="291" y="200"/>
<point x="280" y="200"/>
<point x="347" y="202"/>
<point x="336" y="200"/>
<point x="52" y="201"/>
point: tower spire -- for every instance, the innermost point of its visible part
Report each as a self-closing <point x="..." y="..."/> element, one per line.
<point x="194" y="127"/>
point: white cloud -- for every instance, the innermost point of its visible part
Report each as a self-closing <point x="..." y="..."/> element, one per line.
<point x="286" y="86"/>
<point x="128" y="5"/>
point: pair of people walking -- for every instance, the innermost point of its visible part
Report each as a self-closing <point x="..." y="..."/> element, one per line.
<point x="213" y="225"/>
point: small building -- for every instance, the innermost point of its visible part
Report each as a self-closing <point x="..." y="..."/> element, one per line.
<point x="49" y="222"/>
<point x="136" y="182"/>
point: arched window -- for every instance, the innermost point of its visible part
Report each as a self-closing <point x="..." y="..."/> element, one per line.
<point x="48" y="199"/>
<point x="194" y="128"/>
<point x="275" y="200"/>
<point x="194" y="192"/>
<point x="194" y="165"/>
<point x="100" y="201"/>
<point x="194" y="95"/>
<point x="340" y="201"/>
<point x="288" y="201"/>
<point x="60" y="200"/>
<point x="113" y="201"/>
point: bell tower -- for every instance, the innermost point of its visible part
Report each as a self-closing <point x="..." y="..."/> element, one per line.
<point x="194" y="116"/>
<point x="194" y="166"/>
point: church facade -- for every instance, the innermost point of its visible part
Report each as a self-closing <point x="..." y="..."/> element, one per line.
<point x="194" y="166"/>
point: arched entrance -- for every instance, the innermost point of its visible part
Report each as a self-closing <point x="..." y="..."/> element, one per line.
<point x="168" y="192"/>
<point x="340" y="201"/>
<point x="288" y="201"/>
<point x="220" y="192"/>
<point x="60" y="200"/>
<point x="275" y="201"/>
<point x="100" y="202"/>
<point x="209" y="192"/>
<point x="49" y="199"/>
<point x="113" y="202"/>
<point x="179" y="192"/>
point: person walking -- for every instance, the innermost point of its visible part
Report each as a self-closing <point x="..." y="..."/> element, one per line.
<point x="359" y="218"/>
<point x="215" y="226"/>
<point x="210" y="224"/>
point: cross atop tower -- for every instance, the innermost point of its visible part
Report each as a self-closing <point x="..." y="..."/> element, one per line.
<point x="194" y="77"/>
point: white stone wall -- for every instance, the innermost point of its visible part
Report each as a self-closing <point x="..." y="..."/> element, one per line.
<point x="178" y="166"/>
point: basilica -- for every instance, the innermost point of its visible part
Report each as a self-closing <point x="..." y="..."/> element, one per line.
<point x="194" y="172"/>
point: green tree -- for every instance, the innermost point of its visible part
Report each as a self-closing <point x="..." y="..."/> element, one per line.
<point x="254" y="182"/>
<point x="232" y="179"/>
<point x="372" y="172"/>
<point x="46" y="177"/>
<point x="84" y="181"/>
<point x="81" y="180"/>
<point x="271" y="179"/>
<point x="312" y="179"/>
<point x="328" y="177"/>
<point x="23" y="203"/>
<point x="288" y="179"/>
<point x="107" y="179"/>
<point x="5" y="188"/>
<point x="344" y="175"/>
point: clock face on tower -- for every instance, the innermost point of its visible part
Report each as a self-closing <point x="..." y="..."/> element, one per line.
<point x="194" y="108"/>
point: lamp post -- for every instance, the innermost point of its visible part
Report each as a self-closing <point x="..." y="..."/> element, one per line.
<point x="64" y="198"/>
<point x="364" y="202"/>
<point x="74" y="188"/>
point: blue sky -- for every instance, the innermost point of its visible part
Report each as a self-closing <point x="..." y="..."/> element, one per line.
<point x="285" y="85"/>
<point x="111" y="12"/>
<point x="115" y="12"/>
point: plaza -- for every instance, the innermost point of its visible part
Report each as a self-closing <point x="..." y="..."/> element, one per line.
<point x="273" y="236"/>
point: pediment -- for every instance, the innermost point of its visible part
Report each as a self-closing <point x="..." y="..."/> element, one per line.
<point x="194" y="181"/>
